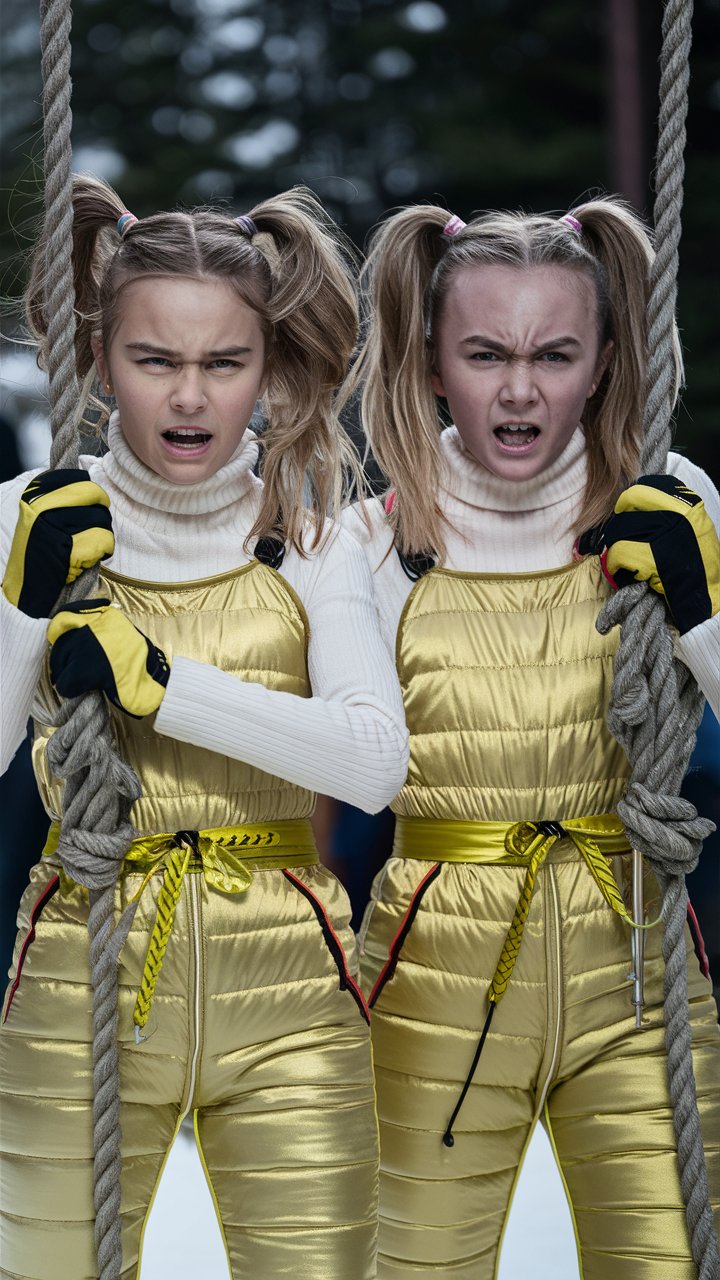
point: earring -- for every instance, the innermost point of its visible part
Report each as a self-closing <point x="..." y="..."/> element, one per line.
<point x="108" y="388"/>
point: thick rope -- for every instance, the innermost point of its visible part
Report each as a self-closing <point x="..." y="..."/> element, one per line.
<point x="656" y="706"/>
<point x="55" y="19"/>
<point x="99" y="787"/>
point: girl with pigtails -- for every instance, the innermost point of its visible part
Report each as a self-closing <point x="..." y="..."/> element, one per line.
<point x="496" y="945"/>
<point x="237" y="640"/>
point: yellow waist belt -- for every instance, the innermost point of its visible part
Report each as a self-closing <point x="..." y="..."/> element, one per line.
<point x="518" y="844"/>
<point x="226" y="856"/>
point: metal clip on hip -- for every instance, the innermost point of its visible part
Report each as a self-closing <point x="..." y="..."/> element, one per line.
<point x="637" y="976"/>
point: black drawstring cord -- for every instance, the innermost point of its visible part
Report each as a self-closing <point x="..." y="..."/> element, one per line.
<point x="556" y="831"/>
<point x="448" y="1138"/>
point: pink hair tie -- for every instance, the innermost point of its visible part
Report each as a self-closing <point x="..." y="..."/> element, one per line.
<point x="572" y="222"/>
<point x="125" y="222"/>
<point x="453" y="225"/>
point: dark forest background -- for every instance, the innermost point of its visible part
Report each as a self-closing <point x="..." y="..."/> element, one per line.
<point x="479" y="103"/>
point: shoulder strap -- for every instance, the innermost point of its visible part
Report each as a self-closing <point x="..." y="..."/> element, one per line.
<point x="270" y="551"/>
<point x="415" y="566"/>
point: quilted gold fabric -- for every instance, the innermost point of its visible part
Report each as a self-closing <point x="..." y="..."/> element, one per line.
<point x="525" y="694"/>
<point x="254" y="1028"/>
<point x="251" y="1017"/>
<point x="250" y="623"/>
<point x="506" y="685"/>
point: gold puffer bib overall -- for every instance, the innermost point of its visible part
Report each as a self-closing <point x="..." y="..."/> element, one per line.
<point x="506" y="684"/>
<point x="254" y="1021"/>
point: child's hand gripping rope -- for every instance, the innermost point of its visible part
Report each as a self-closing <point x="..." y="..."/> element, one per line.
<point x="661" y="533"/>
<point x="64" y="526"/>
<point x="95" y="646"/>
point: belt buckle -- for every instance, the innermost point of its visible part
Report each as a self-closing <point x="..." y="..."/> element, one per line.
<point x="551" y="829"/>
<point x="187" y="840"/>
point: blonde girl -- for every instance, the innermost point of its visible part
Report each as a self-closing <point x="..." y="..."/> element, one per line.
<point x="237" y="640"/>
<point x="496" y="946"/>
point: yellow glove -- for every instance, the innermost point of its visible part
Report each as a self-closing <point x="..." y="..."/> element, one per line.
<point x="94" y="646"/>
<point x="64" y="526"/>
<point x="662" y="534"/>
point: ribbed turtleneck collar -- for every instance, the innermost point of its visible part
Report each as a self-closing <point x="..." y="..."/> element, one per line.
<point x="468" y="481"/>
<point x="232" y="482"/>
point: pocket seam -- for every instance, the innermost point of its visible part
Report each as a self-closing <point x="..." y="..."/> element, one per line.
<point x="333" y="943"/>
<point x="39" y="906"/>
<point x="398" y="941"/>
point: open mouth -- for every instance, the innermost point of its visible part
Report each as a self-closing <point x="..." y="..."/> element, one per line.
<point x="187" y="438"/>
<point x="516" y="435"/>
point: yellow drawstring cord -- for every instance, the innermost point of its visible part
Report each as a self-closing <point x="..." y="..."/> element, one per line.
<point x="223" y="870"/>
<point x="228" y="856"/>
<point x="175" y="867"/>
<point x="519" y="844"/>
<point x="532" y="841"/>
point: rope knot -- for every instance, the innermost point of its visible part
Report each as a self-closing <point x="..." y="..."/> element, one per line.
<point x="93" y="858"/>
<point x="667" y="828"/>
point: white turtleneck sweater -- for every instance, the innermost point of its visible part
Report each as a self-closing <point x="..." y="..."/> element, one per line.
<point x="348" y="740"/>
<point x="502" y="526"/>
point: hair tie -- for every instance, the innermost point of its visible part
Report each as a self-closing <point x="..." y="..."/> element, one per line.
<point x="246" y="224"/>
<point x="572" y="222"/>
<point x="125" y="222"/>
<point x="453" y="225"/>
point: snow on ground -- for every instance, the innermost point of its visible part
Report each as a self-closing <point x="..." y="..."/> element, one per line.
<point x="182" y="1239"/>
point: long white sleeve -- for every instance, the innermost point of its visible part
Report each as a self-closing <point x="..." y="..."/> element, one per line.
<point x="699" y="649"/>
<point x="22" y="640"/>
<point x="349" y="739"/>
<point x="22" y="649"/>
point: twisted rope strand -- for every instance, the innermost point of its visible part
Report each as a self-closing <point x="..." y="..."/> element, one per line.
<point x="55" y="20"/>
<point x="656" y="706"/>
<point x="99" y="787"/>
<point x="669" y="176"/>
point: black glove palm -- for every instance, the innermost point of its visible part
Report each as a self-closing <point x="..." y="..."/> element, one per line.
<point x="96" y="647"/>
<point x="662" y="534"/>
<point x="64" y="526"/>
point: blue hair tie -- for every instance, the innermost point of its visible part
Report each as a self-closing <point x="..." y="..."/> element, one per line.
<point x="125" y="222"/>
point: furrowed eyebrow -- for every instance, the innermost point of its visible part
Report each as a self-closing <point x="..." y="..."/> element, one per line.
<point x="479" y="340"/>
<point x="558" y="342"/>
<point x="151" y="350"/>
<point x="177" y="355"/>
<point x="231" y="351"/>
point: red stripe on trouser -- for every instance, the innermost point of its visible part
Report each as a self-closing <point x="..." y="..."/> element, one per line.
<point x="695" y="926"/>
<point x="35" y="914"/>
<point x="337" y="950"/>
<point x="388" y="968"/>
